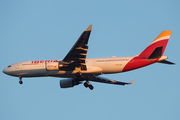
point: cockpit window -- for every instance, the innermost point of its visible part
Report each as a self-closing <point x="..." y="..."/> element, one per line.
<point x="9" y="66"/>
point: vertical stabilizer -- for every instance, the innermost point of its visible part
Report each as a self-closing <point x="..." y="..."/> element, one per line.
<point x="157" y="47"/>
<point x="153" y="53"/>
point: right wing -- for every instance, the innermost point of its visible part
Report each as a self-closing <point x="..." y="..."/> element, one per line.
<point x="77" y="55"/>
<point x="109" y="81"/>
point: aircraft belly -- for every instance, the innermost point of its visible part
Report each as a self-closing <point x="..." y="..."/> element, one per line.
<point x="29" y="73"/>
<point x="91" y="70"/>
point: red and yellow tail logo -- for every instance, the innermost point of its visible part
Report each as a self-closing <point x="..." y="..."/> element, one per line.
<point x="163" y="35"/>
<point x="151" y="54"/>
<point x="160" y="41"/>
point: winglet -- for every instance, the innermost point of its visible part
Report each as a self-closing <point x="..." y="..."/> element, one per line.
<point x="131" y="82"/>
<point x="89" y="28"/>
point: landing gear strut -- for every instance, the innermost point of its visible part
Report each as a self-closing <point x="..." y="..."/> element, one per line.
<point x="79" y="75"/>
<point x="20" y="80"/>
<point x="87" y="84"/>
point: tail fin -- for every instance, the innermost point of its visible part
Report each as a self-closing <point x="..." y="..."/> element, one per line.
<point x="152" y="54"/>
<point x="156" y="48"/>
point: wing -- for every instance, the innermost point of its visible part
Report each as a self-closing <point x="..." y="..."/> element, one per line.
<point x="77" y="55"/>
<point x="109" y="81"/>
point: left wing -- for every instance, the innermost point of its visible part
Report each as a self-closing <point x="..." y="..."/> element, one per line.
<point x="77" y="55"/>
<point x="109" y="81"/>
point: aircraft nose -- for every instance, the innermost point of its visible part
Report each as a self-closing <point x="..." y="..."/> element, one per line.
<point x="9" y="71"/>
<point x="5" y="71"/>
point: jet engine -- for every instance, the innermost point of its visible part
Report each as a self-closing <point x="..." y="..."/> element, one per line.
<point x="71" y="82"/>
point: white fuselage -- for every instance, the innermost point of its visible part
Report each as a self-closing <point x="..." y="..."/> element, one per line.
<point x="95" y="66"/>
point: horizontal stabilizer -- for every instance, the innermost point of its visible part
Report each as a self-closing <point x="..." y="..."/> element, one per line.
<point x="166" y="62"/>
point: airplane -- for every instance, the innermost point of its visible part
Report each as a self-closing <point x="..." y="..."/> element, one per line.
<point x="76" y="68"/>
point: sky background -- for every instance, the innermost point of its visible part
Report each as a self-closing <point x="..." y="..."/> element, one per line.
<point x="47" y="29"/>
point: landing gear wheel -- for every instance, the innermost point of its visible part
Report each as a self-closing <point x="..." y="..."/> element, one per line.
<point x="91" y="87"/>
<point x="20" y="82"/>
<point x="86" y="84"/>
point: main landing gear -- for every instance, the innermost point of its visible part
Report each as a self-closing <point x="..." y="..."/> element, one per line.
<point x="20" y="80"/>
<point x="87" y="84"/>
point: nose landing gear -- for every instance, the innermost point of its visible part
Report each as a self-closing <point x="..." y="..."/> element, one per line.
<point x="20" y="80"/>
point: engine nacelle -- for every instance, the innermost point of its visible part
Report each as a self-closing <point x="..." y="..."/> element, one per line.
<point x="67" y="83"/>
<point x="52" y="66"/>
